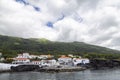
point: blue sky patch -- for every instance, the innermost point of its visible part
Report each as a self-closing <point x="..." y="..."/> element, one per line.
<point x="36" y="8"/>
<point x="49" y="24"/>
<point x="25" y="2"/>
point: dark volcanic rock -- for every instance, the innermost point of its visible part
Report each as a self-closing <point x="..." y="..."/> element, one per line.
<point x="70" y="69"/>
<point x="100" y="63"/>
<point x="25" y="68"/>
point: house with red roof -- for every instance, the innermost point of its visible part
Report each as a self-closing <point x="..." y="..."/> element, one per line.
<point x="21" y="60"/>
<point x="64" y="59"/>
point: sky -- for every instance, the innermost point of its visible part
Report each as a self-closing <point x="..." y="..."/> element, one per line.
<point x="91" y="21"/>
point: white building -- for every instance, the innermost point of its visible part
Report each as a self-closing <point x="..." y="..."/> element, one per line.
<point x="24" y="55"/>
<point x="45" y="63"/>
<point x="52" y="62"/>
<point x="64" y="59"/>
<point x="21" y="60"/>
<point x="77" y="61"/>
<point x="36" y="62"/>
<point x="45" y="56"/>
<point x="33" y="56"/>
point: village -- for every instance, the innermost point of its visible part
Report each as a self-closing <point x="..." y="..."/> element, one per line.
<point x="47" y="60"/>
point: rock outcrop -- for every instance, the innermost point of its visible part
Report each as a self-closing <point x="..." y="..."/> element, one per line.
<point x="25" y="68"/>
<point x="104" y="63"/>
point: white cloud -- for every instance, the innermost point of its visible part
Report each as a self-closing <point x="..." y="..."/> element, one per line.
<point x="90" y="21"/>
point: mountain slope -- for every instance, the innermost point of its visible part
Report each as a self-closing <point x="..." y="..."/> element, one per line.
<point x="15" y="45"/>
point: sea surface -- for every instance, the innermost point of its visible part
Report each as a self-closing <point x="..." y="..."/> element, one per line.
<point x="109" y="74"/>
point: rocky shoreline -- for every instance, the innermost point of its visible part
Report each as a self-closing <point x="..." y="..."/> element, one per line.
<point x="104" y="63"/>
<point x="22" y="68"/>
<point x="66" y="69"/>
<point x="94" y="64"/>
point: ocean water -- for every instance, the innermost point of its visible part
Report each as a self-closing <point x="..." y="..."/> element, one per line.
<point x="109" y="74"/>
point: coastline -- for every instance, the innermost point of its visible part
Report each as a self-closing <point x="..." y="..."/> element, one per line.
<point x="95" y="64"/>
<point x="25" y="68"/>
<point x="66" y="69"/>
<point x="75" y="69"/>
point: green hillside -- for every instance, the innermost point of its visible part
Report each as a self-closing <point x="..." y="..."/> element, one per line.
<point x="11" y="46"/>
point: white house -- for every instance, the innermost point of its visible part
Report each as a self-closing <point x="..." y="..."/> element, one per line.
<point x="24" y="55"/>
<point x="45" y="63"/>
<point x="52" y="62"/>
<point x="21" y="60"/>
<point x="42" y="56"/>
<point x="77" y="61"/>
<point x="85" y="60"/>
<point x="33" y="56"/>
<point x="64" y="59"/>
<point x="45" y="56"/>
<point x="36" y="62"/>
